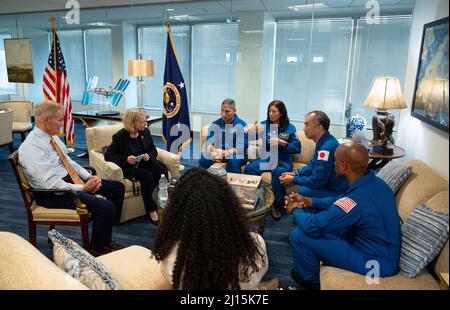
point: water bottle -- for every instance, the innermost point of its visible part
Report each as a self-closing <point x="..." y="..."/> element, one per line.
<point x="162" y="193"/>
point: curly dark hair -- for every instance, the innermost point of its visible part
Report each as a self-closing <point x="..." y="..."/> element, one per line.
<point x="215" y="248"/>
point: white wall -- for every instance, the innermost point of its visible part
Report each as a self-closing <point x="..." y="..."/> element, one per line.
<point x="420" y="140"/>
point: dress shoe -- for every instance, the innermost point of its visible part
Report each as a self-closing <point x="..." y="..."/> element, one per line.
<point x="100" y="251"/>
<point x="276" y="215"/>
<point x="154" y="222"/>
<point x="300" y="285"/>
<point x="114" y="246"/>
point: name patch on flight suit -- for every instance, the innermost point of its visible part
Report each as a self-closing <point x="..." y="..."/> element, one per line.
<point x="345" y="203"/>
<point x="323" y="155"/>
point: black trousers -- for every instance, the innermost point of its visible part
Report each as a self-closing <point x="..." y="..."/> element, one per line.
<point x="148" y="174"/>
<point x="103" y="212"/>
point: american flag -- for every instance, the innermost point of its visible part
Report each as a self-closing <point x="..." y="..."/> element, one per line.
<point x="345" y="203"/>
<point x="56" y="86"/>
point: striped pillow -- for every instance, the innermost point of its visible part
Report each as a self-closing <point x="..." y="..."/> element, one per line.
<point x="424" y="233"/>
<point x="395" y="174"/>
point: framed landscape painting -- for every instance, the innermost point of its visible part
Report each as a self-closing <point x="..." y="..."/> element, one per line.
<point x="430" y="101"/>
<point x="19" y="63"/>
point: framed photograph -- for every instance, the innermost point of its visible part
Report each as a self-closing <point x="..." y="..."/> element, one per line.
<point x="430" y="101"/>
<point x="19" y="62"/>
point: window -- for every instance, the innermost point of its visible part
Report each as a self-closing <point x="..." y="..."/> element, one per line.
<point x="214" y="49"/>
<point x="6" y="88"/>
<point x="99" y="58"/>
<point x="380" y="50"/>
<point x="311" y="66"/>
<point x="72" y="49"/>
<point x="152" y="45"/>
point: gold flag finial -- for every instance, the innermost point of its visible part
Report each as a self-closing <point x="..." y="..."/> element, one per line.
<point x="52" y="21"/>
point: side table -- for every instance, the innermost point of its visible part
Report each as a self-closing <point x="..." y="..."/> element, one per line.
<point x="378" y="160"/>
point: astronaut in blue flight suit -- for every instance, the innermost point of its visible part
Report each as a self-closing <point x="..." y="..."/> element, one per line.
<point x="280" y="141"/>
<point x="227" y="140"/>
<point x="359" y="232"/>
<point x="318" y="178"/>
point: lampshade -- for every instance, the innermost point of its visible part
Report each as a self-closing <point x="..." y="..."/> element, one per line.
<point x="385" y="94"/>
<point x="433" y="94"/>
<point x="140" y="67"/>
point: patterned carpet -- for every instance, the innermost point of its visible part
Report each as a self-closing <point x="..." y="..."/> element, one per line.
<point x="137" y="231"/>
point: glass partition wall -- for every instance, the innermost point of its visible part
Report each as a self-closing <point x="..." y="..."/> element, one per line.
<point x="313" y="55"/>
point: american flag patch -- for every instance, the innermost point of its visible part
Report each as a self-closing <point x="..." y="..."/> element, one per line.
<point x="345" y="203"/>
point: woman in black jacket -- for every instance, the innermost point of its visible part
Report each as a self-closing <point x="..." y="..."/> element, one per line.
<point x="133" y="150"/>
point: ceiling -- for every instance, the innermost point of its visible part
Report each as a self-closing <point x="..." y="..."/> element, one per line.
<point x="153" y="11"/>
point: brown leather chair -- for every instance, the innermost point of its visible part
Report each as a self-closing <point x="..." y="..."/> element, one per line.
<point x="38" y="215"/>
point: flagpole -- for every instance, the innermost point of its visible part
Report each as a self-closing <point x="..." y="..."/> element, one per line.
<point x="52" y="21"/>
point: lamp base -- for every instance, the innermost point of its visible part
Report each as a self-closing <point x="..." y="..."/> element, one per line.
<point x="383" y="150"/>
<point x="382" y="126"/>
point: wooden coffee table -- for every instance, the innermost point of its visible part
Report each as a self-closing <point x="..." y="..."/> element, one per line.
<point x="255" y="217"/>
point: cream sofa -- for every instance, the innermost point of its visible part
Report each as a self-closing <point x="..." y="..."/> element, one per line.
<point x="101" y="136"/>
<point x="24" y="267"/>
<point x="299" y="160"/>
<point x="424" y="186"/>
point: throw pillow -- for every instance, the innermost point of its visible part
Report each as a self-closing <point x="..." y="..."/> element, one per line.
<point x="81" y="265"/>
<point x="424" y="233"/>
<point x="395" y="174"/>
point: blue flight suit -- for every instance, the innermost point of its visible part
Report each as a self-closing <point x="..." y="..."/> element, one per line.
<point x="289" y="134"/>
<point x="318" y="178"/>
<point x="349" y="236"/>
<point x="236" y="128"/>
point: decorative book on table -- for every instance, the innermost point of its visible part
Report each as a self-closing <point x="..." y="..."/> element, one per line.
<point x="248" y="189"/>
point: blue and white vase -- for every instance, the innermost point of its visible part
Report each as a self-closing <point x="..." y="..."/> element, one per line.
<point x="356" y="126"/>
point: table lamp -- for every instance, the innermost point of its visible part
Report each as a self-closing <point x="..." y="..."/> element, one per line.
<point x="385" y="94"/>
<point x="140" y="68"/>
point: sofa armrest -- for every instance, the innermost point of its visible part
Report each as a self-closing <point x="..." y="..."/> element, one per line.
<point x="170" y="160"/>
<point x="25" y="268"/>
<point x="142" y="271"/>
<point x="105" y="169"/>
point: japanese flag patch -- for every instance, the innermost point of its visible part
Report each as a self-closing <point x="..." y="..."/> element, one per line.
<point x="323" y="155"/>
<point x="345" y="203"/>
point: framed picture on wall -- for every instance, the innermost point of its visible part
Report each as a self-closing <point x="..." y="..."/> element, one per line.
<point x="19" y="62"/>
<point x="430" y="101"/>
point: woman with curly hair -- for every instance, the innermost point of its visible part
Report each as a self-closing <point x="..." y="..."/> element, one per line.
<point x="204" y="240"/>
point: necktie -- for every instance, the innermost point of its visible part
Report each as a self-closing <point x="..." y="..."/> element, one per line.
<point x="70" y="170"/>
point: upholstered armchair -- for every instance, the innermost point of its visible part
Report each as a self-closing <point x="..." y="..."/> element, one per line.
<point x="6" y="121"/>
<point x="21" y="116"/>
<point x="299" y="160"/>
<point x="99" y="137"/>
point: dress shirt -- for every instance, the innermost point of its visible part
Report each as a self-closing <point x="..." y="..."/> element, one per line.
<point x="43" y="167"/>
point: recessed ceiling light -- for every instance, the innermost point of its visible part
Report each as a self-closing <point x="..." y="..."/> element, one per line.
<point x="307" y="6"/>
<point x="170" y="10"/>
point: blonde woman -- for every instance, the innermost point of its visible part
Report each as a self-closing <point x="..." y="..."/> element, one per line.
<point x="132" y="148"/>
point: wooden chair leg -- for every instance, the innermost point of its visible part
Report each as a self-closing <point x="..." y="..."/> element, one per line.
<point x="32" y="233"/>
<point x="85" y="231"/>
